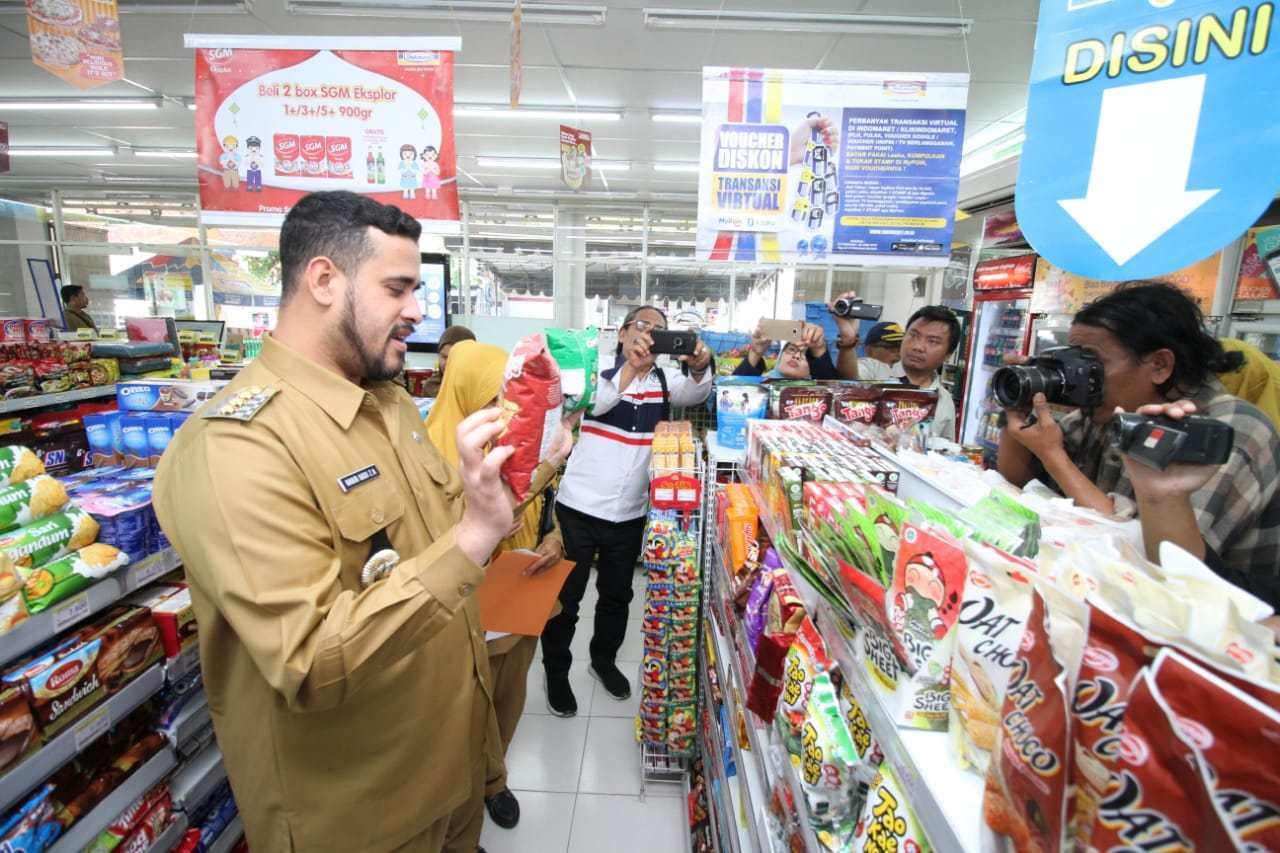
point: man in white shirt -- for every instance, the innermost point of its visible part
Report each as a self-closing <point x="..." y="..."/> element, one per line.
<point x="932" y="335"/>
<point x="884" y="350"/>
<point x="604" y="498"/>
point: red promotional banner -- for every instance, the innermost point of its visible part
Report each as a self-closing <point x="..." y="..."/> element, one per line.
<point x="1004" y="273"/>
<point x="275" y="123"/>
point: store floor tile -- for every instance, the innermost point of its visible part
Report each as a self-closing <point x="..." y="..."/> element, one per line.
<point x="611" y="764"/>
<point x="546" y="754"/>
<point x="604" y="705"/>
<point x="545" y="821"/>
<point x="535" y="703"/>
<point x="603" y="822"/>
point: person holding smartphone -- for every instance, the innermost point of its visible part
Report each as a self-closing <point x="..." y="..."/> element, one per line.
<point x="806" y="358"/>
<point x="603" y="498"/>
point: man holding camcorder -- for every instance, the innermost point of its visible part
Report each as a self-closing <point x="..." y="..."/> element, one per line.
<point x="1197" y="466"/>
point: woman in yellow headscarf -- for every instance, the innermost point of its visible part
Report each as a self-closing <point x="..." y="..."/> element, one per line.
<point x="472" y="382"/>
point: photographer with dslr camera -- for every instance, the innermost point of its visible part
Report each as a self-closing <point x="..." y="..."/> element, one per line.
<point x="1143" y="349"/>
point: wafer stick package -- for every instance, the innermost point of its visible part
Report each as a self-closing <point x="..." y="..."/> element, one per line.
<point x="531" y="409"/>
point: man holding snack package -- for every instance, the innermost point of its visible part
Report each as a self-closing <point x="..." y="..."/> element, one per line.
<point x="806" y="358"/>
<point x="332" y="554"/>
<point x="1144" y="349"/>
<point x="932" y="335"/>
<point x="604" y="498"/>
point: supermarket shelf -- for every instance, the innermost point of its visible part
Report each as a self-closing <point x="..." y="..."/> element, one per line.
<point x="724" y="807"/>
<point x="916" y="484"/>
<point x="41" y="764"/>
<point x="170" y="837"/>
<point x="194" y="717"/>
<point x="40" y="401"/>
<point x="197" y="779"/>
<point x="187" y="662"/>
<point x="89" y="827"/>
<point x="945" y="798"/>
<point x="36" y="630"/>
<point x="232" y="834"/>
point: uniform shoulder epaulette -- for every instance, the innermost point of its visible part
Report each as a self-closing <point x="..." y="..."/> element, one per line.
<point x="244" y="405"/>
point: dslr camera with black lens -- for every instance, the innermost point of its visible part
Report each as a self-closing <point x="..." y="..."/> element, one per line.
<point x="1160" y="441"/>
<point x="856" y="309"/>
<point x="1069" y="376"/>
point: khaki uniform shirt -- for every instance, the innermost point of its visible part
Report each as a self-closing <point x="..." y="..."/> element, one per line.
<point x="349" y="718"/>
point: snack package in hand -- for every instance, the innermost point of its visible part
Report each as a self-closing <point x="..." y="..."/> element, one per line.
<point x="531" y="405"/>
<point x="1233" y="738"/>
<point x="997" y="600"/>
<point x="887" y="821"/>
<point x="1027" y="782"/>
<point x="576" y="352"/>
<point x="1158" y="798"/>
<point x="923" y="608"/>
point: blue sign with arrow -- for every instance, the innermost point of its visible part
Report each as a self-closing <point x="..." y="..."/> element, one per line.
<point x="1152" y="133"/>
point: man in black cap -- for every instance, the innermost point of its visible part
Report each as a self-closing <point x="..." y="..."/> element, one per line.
<point x="884" y="349"/>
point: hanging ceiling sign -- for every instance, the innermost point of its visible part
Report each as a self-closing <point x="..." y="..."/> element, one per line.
<point x="575" y="157"/>
<point x="1148" y="143"/>
<point x="76" y="40"/>
<point x="280" y="117"/>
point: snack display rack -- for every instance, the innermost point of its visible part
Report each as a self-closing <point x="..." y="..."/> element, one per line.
<point x="674" y="488"/>
<point x="172" y="834"/>
<point x="198" y="778"/>
<point x="87" y="829"/>
<point x="229" y="837"/>
<point x="40" y="401"/>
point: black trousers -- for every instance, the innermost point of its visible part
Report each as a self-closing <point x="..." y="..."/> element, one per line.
<point x="614" y="547"/>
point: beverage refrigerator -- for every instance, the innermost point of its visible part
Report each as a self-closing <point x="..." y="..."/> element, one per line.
<point x="1001" y="324"/>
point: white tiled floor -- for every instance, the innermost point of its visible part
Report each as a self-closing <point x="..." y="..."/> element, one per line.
<point x="578" y="779"/>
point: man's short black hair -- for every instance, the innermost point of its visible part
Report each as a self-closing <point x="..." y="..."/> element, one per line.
<point x="335" y="225"/>
<point x="69" y="292"/>
<point x="940" y="314"/>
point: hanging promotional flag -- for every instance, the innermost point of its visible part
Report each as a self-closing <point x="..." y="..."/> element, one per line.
<point x="575" y="157"/>
<point x="840" y="167"/>
<point x="77" y="40"/>
<point x="517" y="54"/>
<point x="4" y="148"/>
<point x="280" y="117"/>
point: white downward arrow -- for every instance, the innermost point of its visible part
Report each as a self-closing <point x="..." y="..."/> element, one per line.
<point x="1141" y="158"/>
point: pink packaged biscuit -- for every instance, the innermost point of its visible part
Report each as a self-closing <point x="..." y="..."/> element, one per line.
<point x="13" y="330"/>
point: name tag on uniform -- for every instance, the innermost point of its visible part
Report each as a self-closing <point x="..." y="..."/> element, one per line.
<point x="355" y="478"/>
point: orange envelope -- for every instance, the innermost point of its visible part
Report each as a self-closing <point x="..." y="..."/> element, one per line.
<point x="513" y="603"/>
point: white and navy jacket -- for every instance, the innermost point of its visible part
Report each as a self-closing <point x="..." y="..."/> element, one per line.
<point x="608" y="472"/>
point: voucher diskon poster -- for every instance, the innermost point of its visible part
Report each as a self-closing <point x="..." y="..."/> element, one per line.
<point x="842" y="167"/>
<point x="276" y="120"/>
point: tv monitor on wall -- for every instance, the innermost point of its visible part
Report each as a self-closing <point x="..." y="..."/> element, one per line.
<point x="433" y="297"/>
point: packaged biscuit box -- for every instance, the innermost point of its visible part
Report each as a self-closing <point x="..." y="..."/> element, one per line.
<point x="130" y="642"/>
<point x="165" y="395"/>
<point x="49" y="538"/>
<point x="170" y="606"/>
<point x="62" y="685"/>
<point x="17" y="727"/>
<point x="62" y="578"/>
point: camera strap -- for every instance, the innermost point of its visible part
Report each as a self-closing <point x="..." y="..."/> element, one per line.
<point x="666" y="394"/>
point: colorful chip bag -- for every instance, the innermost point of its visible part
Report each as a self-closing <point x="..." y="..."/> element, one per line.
<point x="826" y="762"/>
<point x="887" y="822"/>
<point x="576" y="352"/>
<point x="531" y="405"/>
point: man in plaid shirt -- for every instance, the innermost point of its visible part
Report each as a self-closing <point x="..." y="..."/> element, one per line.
<point x="1158" y="359"/>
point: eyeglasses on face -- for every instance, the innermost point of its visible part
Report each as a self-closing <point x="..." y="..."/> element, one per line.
<point x="646" y="325"/>
<point x="793" y="349"/>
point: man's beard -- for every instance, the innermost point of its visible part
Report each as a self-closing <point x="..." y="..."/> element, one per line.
<point x="367" y="363"/>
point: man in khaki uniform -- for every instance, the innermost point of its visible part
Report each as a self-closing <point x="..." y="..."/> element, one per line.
<point x="351" y="712"/>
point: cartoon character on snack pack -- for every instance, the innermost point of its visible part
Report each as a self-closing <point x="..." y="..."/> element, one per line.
<point x="253" y="164"/>
<point x="408" y="171"/>
<point x="888" y="536"/>
<point x="230" y="162"/>
<point x="917" y="609"/>
<point x="431" y="172"/>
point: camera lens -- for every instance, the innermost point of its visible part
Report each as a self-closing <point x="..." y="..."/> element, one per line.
<point x="1014" y="387"/>
<point x="842" y="307"/>
<point x="1123" y="429"/>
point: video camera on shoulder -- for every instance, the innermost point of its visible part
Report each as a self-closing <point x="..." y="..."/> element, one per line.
<point x="856" y="309"/>
<point x="1159" y="442"/>
<point x="1068" y="376"/>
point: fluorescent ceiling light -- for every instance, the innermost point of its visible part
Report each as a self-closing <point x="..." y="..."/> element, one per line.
<point x="676" y="167"/>
<point x="203" y="7"/>
<point x="804" y="22"/>
<point x="169" y="153"/>
<point x="54" y="151"/>
<point x="45" y="104"/>
<point x="457" y="10"/>
<point x="557" y="113"/>
<point x="996" y="130"/>
<point x="191" y="105"/>
<point x="993" y="153"/>
<point x="524" y="238"/>
<point x="677" y="118"/>
<point x="546" y="163"/>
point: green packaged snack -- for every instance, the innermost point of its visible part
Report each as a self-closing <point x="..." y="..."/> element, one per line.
<point x="49" y="538"/>
<point x="827" y="764"/>
<point x="930" y="514"/>
<point x="888" y="516"/>
<point x="30" y="500"/>
<point x="18" y="464"/>
<point x="576" y="352"/>
<point x="59" y="579"/>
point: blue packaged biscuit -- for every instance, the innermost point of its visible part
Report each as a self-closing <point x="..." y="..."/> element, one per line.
<point x="102" y="448"/>
<point x="136" y="451"/>
<point x="159" y="434"/>
<point x="738" y="400"/>
<point x="124" y="515"/>
<point x="164" y="395"/>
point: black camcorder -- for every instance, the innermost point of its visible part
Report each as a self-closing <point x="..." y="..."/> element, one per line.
<point x="856" y="309"/>
<point x="1160" y="441"/>
<point x="1068" y="376"/>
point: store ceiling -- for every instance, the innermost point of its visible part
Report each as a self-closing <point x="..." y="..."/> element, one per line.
<point x="619" y="66"/>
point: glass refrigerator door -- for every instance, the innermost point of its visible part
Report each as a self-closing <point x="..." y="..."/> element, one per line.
<point x="1000" y="328"/>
